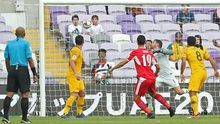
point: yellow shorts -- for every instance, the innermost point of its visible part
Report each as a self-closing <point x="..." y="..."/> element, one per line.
<point x="197" y="80"/>
<point x="74" y="84"/>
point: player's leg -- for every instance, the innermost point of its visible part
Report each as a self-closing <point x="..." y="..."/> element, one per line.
<point x="161" y="99"/>
<point x="24" y="86"/>
<point x="149" y="102"/>
<point x="74" y="90"/>
<point x="12" y="88"/>
<point x="195" y="83"/>
<point x="140" y="89"/>
<point x="80" y="101"/>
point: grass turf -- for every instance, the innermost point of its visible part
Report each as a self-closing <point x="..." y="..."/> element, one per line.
<point x="208" y="119"/>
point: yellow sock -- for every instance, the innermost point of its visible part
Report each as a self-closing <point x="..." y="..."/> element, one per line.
<point x="69" y="104"/>
<point x="194" y="103"/>
<point x="80" y="103"/>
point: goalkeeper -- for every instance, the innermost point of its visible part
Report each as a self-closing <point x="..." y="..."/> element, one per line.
<point x="165" y="75"/>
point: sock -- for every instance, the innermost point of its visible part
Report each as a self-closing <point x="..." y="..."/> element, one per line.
<point x="143" y="106"/>
<point x="185" y="90"/>
<point x="6" y="106"/>
<point x="24" y="108"/>
<point x="149" y="101"/>
<point x="162" y="100"/>
<point x="69" y="104"/>
<point x="80" y="103"/>
<point x="194" y="104"/>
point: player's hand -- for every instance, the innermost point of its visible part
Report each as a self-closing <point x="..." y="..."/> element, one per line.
<point x="215" y="43"/>
<point x="216" y="74"/>
<point x="182" y="77"/>
<point x="78" y="77"/>
<point x="35" y="78"/>
<point x="110" y="70"/>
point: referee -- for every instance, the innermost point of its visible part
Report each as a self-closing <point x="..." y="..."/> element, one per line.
<point x="17" y="56"/>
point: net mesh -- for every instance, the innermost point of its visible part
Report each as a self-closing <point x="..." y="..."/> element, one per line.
<point x="121" y="26"/>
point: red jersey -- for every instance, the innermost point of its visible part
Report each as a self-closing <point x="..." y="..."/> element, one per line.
<point x="143" y="60"/>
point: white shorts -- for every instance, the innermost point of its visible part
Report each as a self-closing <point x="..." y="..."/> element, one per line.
<point x="169" y="80"/>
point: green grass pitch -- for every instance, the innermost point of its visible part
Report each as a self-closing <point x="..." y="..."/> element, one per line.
<point x="208" y="119"/>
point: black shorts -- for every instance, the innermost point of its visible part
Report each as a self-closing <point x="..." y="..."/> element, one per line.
<point x="18" y="79"/>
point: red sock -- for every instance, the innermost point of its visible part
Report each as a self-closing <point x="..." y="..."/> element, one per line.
<point x="143" y="106"/>
<point x="162" y="100"/>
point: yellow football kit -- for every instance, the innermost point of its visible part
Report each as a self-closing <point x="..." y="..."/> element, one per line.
<point x="74" y="84"/>
<point x="195" y="57"/>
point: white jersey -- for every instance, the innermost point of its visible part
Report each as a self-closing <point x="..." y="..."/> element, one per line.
<point x="163" y="61"/>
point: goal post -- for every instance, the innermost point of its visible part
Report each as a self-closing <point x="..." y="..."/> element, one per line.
<point x="43" y="3"/>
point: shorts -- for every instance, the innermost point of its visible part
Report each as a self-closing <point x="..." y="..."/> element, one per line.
<point x="197" y="80"/>
<point x="18" y="79"/>
<point x="168" y="80"/>
<point x="144" y="86"/>
<point x="74" y="84"/>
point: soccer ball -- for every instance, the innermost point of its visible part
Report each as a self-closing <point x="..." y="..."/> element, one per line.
<point x="87" y="24"/>
<point x="98" y="76"/>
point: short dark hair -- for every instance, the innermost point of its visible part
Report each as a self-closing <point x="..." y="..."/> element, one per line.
<point x="149" y="41"/>
<point x="75" y="16"/>
<point x="79" y="40"/>
<point x="159" y="42"/>
<point x="141" y="40"/>
<point x="102" y="50"/>
<point x="95" y="16"/>
<point x="191" y="41"/>
<point x="178" y="33"/>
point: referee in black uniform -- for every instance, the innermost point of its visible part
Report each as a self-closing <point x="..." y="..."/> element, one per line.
<point x="17" y="56"/>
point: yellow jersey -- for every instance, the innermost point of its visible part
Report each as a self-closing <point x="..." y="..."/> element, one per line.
<point x="178" y="50"/>
<point x="76" y="56"/>
<point x="195" y="57"/>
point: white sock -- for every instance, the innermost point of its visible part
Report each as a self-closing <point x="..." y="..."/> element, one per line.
<point x="149" y="101"/>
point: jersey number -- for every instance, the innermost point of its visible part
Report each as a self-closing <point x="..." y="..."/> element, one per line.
<point x="198" y="55"/>
<point x="147" y="59"/>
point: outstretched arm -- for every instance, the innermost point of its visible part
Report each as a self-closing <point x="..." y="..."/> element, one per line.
<point x="166" y="52"/>
<point x="183" y="65"/>
<point x="119" y="65"/>
<point x="213" y="66"/>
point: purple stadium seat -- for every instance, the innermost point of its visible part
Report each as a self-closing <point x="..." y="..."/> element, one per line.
<point x="155" y="11"/>
<point x="173" y="11"/>
<point x="128" y="47"/>
<point x="214" y="36"/>
<point x="110" y="47"/>
<point x="5" y="30"/>
<point x="196" y="10"/>
<point x="112" y="29"/>
<point x="134" y="37"/>
<point x="1" y="67"/>
<point x="143" y="19"/>
<point x="112" y="56"/>
<point x="62" y="21"/>
<point x="215" y="54"/>
<point x="84" y="17"/>
<point x="3" y="77"/>
<point x="77" y="9"/>
<point x="185" y="36"/>
<point x="106" y="19"/>
<point x="204" y="36"/>
<point x="170" y="28"/>
<point x="191" y="28"/>
<point x="131" y="29"/>
<point x="55" y="11"/>
<point x="97" y="10"/>
<point x="6" y="38"/>
<point x="163" y="19"/>
<point x="162" y="37"/>
<point x="2" y="20"/>
<point x="210" y="11"/>
<point x="124" y="19"/>
<point x="87" y="38"/>
<point x="210" y="28"/>
<point x="202" y="18"/>
<point x="116" y="10"/>
<point x="209" y="46"/>
<point x="87" y="49"/>
<point x="151" y="29"/>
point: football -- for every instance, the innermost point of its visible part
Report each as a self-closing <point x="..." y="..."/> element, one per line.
<point x="98" y="76"/>
<point x="87" y="24"/>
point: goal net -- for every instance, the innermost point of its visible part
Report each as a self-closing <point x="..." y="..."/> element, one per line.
<point x="121" y="24"/>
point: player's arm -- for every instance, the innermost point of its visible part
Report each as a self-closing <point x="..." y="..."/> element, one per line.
<point x="7" y="60"/>
<point x="183" y="66"/>
<point x="7" y="64"/>
<point x="73" y="66"/>
<point x="157" y="69"/>
<point x="119" y="65"/>
<point x="166" y="52"/>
